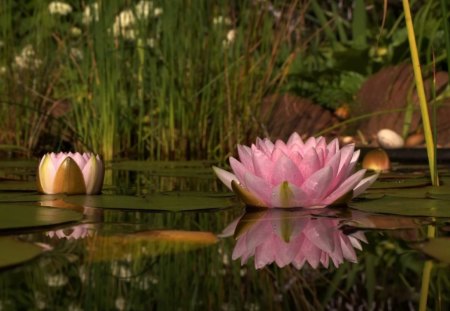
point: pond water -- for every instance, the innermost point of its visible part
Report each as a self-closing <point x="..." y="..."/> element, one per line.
<point x="170" y="237"/>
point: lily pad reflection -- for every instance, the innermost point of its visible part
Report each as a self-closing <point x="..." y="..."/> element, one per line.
<point x="438" y="248"/>
<point x="20" y="216"/>
<point x="14" y="252"/>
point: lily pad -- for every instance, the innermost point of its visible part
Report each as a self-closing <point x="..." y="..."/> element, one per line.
<point x="13" y="185"/>
<point x="148" y="244"/>
<point x="400" y="183"/>
<point x="26" y="197"/>
<point x="17" y="252"/>
<point x="174" y="202"/>
<point x="404" y="206"/>
<point x="168" y="168"/>
<point x="20" y="216"/>
<point x="438" y="248"/>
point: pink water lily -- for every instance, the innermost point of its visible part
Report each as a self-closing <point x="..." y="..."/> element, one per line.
<point x="308" y="174"/>
<point x="71" y="173"/>
<point x="292" y="238"/>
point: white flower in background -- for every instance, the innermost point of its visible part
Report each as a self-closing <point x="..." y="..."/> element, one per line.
<point x="143" y="8"/>
<point x="2" y="72"/>
<point x="231" y="35"/>
<point x="59" y="8"/>
<point x="27" y="58"/>
<point x="76" y="53"/>
<point x="75" y="31"/>
<point x="151" y="42"/>
<point x="158" y="11"/>
<point x="123" y="25"/>
<point x="120" y="303"/>
<point x="90" y="14"/>
<point x="220" y="20"/>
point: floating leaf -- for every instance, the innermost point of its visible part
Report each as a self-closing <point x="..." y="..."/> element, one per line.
<point x="404" y="206"/>
<point x="173" y="202"/>
<point x="19" y="216"/>
<point x="26" y="197"/>
<point x="13" y="185"/>
<point x="15" y="252"/>
<point x="438" y="248"/>
<point x="400" y="183"/>
<point x="148" y="244"/>
<point x="168" y="168"/>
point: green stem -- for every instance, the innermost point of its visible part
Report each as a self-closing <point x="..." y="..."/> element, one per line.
<point x="426" y="272"/>
<point x="420" y="92"/>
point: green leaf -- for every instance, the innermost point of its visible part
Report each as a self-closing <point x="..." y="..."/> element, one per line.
<point x="404" y="206"/>
<point x="163" y="201"/>
<point x="399" y="183"/>
<point x="17" y="252"/>
<point x="20" y="216"/>
<point x="12" y="185"/>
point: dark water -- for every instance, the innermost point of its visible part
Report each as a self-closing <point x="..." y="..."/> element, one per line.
<point x="221" y="259"/>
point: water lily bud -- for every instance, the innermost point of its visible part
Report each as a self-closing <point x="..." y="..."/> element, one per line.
<point x="377" y="160"/>
<point x="71" y="173"/>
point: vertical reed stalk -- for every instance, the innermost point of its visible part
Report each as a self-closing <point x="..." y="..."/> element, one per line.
<point x="426" y="273"/>
<point x="421" y="93"/>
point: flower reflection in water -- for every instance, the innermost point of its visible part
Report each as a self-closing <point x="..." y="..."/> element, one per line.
<point x="72" y="233"/>
<point x="292" y="237"/>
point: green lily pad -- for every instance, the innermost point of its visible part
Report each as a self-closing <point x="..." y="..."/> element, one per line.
<point x="404" y="206"/>
<point x="17" y="252"/>
<point x="400" y="183"/>
<point x="13" y="185"/>
<point x="168" y="168"/>
<point x="174" y="202"/>
<point x="20" y="216"/>
<point x="438" y="248"/>
<point x="27" y="197"/>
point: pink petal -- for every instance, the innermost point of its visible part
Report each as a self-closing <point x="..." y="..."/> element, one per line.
<point x="317" y="184"/>
<point x="294" y="139"/>
<point x="286" y="170"/>
<point x="259" y="187"/>
<point x="345" y="187"/>
<point x="310" y="163"/>
<point x="364" y="184"/>
<point x="289" y="195"/>
<point x="245" y="157"/>
<point x="239" y="170"/>
<point x="224" y="176"/>
<point x="262" y="164"/>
